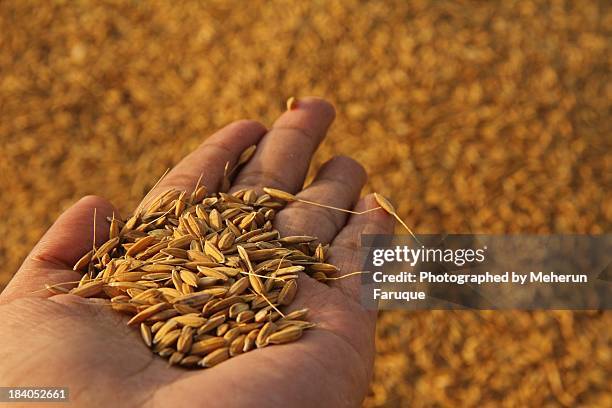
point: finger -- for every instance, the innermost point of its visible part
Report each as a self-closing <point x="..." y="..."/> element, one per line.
<point x="209" y="159"/>
<point x="68" y="239"/>
<point x="283" y="156"/>
<point x="338" y="183"/>
<point x="345" y="251"/>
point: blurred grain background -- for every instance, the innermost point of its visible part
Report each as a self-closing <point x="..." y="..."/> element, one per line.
<point x="486" y="117"/>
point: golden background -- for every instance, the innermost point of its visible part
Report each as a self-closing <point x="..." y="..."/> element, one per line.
<point x="489" y="117"/>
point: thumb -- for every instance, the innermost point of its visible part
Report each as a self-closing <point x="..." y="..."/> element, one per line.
<point x="68" y="239"/>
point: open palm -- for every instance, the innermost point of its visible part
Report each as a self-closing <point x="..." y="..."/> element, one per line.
<point x="67" y="341"/>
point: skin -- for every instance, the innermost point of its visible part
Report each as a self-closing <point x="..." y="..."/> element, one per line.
<point x="82" y="344"/>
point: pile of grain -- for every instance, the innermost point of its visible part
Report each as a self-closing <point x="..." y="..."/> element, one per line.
<point x="203" y="275"/>
<point x="489" y="117"/>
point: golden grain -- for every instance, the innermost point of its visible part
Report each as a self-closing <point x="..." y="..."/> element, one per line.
<point x="208" y="345"/>
<point x="291" y="103"/>
<point x="177" y="269"/>
<point x="264" y="333"/>
<point x="279" y="194"/>
<point x="83" y="261"/>
<point x="286" y="335"/>
<point x="287" y="293"/>
<point x="164" y="329"/>
<point x="148" y="312"/>
<point x="215" y="357"/>
<point x="88" y="289"/>
<point x="246" y="155"/>
<point x="146" y="334"/>
<point x="211" y="324"/>
<point x="190" y="361"/>
<point x="139" y="245"/>
<point x="106" y="247"/>
<point x="185" y="340"/>
<point x="169" y="339"/>
<point x="56" y="290"/>
<point x="191" y="320"/>
<point x="237" y="345"/>
<point x="175" y="358"/>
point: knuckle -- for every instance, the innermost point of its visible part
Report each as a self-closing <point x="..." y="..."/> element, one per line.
<point x="178" y="179"/>
<point x="248" y="124"/>
<point x="315" y="220"/>
<point x="343" y="169"/>
<point x="301" y="131"/>
<point x="219" y="147"/>
<point x="263" y="178"/>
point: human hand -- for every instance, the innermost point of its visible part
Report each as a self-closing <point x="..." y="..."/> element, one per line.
<point x="67" y="341"/>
